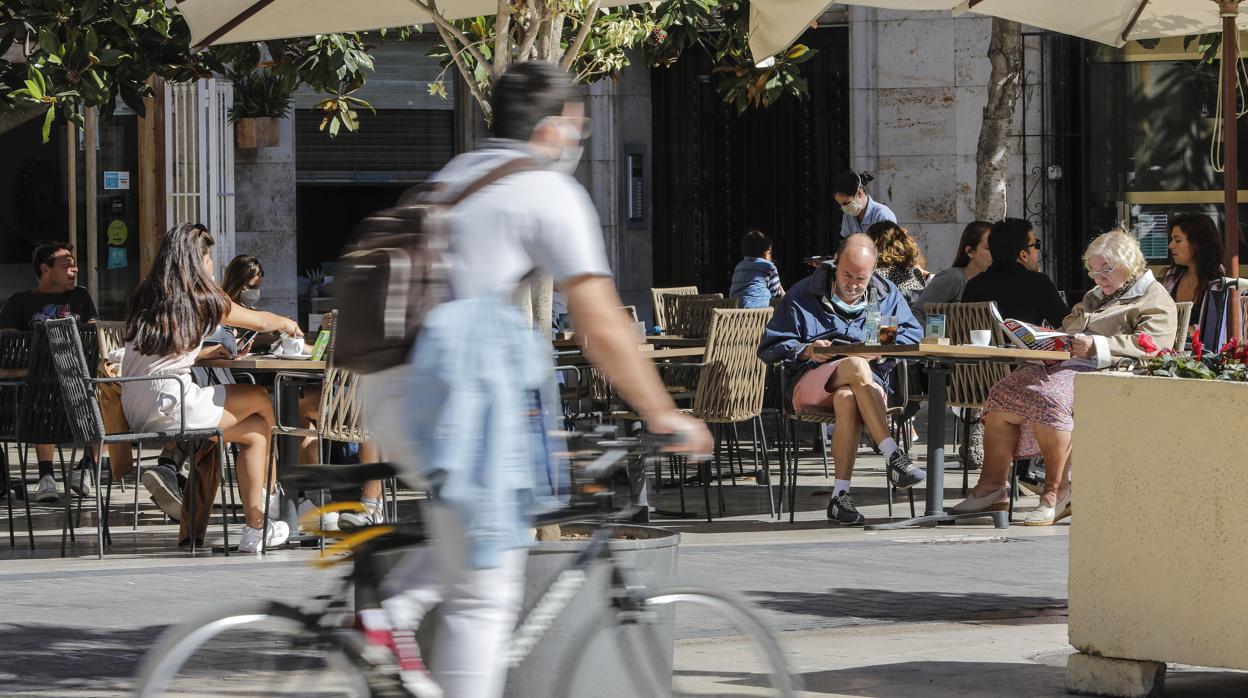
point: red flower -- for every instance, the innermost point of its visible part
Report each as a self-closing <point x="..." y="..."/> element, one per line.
<point x="1146" y="343"/>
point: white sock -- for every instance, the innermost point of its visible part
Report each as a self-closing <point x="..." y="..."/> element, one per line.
<point x="370" y="502"/>
<point x="888" y="447"/>
<point x="841" y="486"/>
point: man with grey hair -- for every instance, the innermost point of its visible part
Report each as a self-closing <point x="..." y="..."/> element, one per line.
<point x="826" y="309"/>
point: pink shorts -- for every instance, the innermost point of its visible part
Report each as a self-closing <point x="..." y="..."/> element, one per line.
<point x="811" y="394"/>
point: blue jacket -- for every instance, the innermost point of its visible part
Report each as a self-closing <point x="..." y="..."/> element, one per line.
<point x="803" y="317"/>
<point x="477" y="385"/>
<point x="752" y="282"/>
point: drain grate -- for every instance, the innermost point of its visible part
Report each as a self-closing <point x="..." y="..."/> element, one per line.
<point x="957" y="540"/>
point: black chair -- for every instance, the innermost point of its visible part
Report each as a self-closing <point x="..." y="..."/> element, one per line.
<point x="14" y="360"/>
<point x="82" y="409"/>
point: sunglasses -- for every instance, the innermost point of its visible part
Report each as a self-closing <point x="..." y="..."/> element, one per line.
<point x="1035" y="244"/>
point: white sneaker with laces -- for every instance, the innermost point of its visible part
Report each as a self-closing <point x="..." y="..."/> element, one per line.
<point x="350" y="520"/>
<point x="275" y="504"/>
<point x="80" y="481"/>
<point x="251" y="538"/>
<point x="46" y="490"/>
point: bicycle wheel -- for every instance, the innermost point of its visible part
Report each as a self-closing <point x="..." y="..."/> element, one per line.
<point x="253" y="648"/>
<point x="690" y="641"/>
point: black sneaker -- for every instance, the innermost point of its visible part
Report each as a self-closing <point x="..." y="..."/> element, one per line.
<point x="902" y="472"/>
<point x="841" y="511"/>
<point x="161" y="483"/>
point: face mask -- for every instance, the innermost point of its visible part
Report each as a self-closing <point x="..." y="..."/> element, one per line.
<point x="852" y="207"/>
<point x="844" y="308"/>
<point x="567" y="159"/>
<point x="249" y="297"/>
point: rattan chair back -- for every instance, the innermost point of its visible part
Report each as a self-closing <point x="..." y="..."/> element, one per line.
<point x="110" y="333"/>
<point x="1185" y="317"/>
<point x="41" y="418"/>
<point x="692" y="317"/>
<point x="970" y="384"/>
<point x="732" y="379"/>
<point x="659" y="296"/>
<point x="342" y="404"/>
<point x="64" y="346"/>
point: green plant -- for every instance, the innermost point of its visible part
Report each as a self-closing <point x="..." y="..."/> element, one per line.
<point x="261" y="94"/>
<point x="1229" y="364"/>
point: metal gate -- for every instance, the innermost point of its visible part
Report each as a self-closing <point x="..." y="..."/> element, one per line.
<point x="199" y="160"/>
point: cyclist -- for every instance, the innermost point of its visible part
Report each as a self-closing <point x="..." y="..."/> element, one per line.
<point x="461" y="416"/>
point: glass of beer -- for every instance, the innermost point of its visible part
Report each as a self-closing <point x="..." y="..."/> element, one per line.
<point x="888" y="329"/>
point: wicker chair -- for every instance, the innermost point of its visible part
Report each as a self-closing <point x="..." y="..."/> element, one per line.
<point x="968" y="387"/>
<point x="693" y="313"/>
<point x="72" y="371"/>
<point x="659" y="296"/>
<point x="1184" y="317"/>
<point x="341" y="414"/>
<point x="14" y="357"/>
<point x="731" y="383"/>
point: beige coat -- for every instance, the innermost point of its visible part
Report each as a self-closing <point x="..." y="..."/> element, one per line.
<point x="1115" y="328"/>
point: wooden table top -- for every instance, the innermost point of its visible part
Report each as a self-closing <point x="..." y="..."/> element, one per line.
<point x="261" y="362"/>
<point x="661" y="340"/>
<point x="951" y="351"/>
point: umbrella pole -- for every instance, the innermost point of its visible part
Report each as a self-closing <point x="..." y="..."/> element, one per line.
<point x="1230" y="136"/>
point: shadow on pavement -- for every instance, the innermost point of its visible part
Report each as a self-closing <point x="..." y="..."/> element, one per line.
<point x="54" y="659"/>
<point x="903" y="606"/>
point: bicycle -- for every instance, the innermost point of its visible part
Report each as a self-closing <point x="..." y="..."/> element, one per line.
<point x="273" y="649"/>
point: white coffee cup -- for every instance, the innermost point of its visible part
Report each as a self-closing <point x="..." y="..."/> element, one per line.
<point x="289" y="346"/>
<point x="981" y="338"/>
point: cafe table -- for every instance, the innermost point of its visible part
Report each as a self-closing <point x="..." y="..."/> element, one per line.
<point x="939" y="361"/>
<point x="578" y="358"/>
<point x="288" y="403"/>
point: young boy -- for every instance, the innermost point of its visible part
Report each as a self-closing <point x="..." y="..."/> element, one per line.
<point x="756" y="281"/>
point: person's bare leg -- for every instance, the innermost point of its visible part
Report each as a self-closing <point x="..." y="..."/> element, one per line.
<point x="45" y="451"/>
<point x="309" y="412"/>
<point x="845" y="435"/>
<point x="252" y="437"/>
<point x="369" y="453"/>
<point x="1055" y="446"/>
<point x="855" y="373"/>
<point x="1002" y="431"/>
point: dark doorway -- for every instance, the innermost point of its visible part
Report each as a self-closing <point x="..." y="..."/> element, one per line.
<point x="327" y="213"/>
<point x="718" y="174"/>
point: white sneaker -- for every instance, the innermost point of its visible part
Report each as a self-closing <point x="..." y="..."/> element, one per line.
<point x="250" y="541"/>
<point x="80" y="481"/>
<point x="351" y="520"/>
<point x="275" y="504"/>
<point x="46" y="490"/>
<point x="329" y="520"/>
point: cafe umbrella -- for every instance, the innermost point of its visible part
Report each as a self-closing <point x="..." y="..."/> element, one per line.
<point x="775" y="24"/>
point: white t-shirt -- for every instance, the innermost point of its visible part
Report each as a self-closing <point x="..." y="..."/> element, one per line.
<point x="540" y="219"/>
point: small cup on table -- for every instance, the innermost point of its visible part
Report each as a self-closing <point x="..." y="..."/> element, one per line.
<point x="981" y="338"/>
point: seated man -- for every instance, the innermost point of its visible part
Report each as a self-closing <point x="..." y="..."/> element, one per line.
<point x="828" y="307"/>
<point x="1014" y="281"/>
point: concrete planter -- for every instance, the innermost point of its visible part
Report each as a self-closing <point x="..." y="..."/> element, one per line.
<point x="1157" y="551"/>
<point x="261" y="132"/>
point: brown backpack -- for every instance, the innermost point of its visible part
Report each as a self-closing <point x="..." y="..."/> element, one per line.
<point x="393" y="272"/>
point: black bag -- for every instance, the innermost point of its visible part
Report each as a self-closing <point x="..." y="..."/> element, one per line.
<point x="393" y="272"/>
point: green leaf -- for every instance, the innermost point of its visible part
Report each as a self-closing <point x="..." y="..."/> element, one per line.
<point x="111" y="57"/>
<point x="49" y="43"/>
<point x="47" y="123"/>
<point x="140" y="17"/>
<point x="87" y="10"/>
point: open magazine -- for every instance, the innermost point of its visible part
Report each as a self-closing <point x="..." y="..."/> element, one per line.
<point x="1028" y="336"/>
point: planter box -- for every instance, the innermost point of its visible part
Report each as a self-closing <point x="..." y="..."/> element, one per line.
<point x="264" y="132"/>
<point x="1158" y="550"/>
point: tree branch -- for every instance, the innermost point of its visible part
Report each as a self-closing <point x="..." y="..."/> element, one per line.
<point x="581" y="35"/>
<point x="502" y="38"/>
<point x="530" y="36"/>
<point x="469" y="78"/>
<point x="445" y="27"/>
<point x="554" y="40"/>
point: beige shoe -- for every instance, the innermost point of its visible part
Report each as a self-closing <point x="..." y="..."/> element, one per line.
<point x="997" y="500"/>
<point x="1047" y="516"/>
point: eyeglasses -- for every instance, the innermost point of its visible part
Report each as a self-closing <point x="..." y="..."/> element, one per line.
<point x="1101" y="273"/>
<point x="1035" y="244"/>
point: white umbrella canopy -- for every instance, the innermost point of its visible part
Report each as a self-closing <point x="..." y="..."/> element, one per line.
<point x="233" y="21"/>
<point x="774" y="24"/>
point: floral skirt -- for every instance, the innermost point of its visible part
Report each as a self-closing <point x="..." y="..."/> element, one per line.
<point x="1041" y="395"/>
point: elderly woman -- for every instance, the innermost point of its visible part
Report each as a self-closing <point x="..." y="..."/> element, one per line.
<point x="1032" y="410"/>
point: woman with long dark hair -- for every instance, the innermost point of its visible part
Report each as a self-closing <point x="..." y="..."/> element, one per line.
<point x="169" y="314"/>
<point x="972" y="259"/>
<point x="1196" y="275"/>
<point x="242" y="279"/>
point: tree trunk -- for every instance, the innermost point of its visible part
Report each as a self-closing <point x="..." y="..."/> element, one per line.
<point x="992" y="160"/>
<point x="542" y="291"/>
<point x="19" y="116"/>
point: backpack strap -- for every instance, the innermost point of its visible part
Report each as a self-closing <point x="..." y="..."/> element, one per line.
<point x="513" y="166"/>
